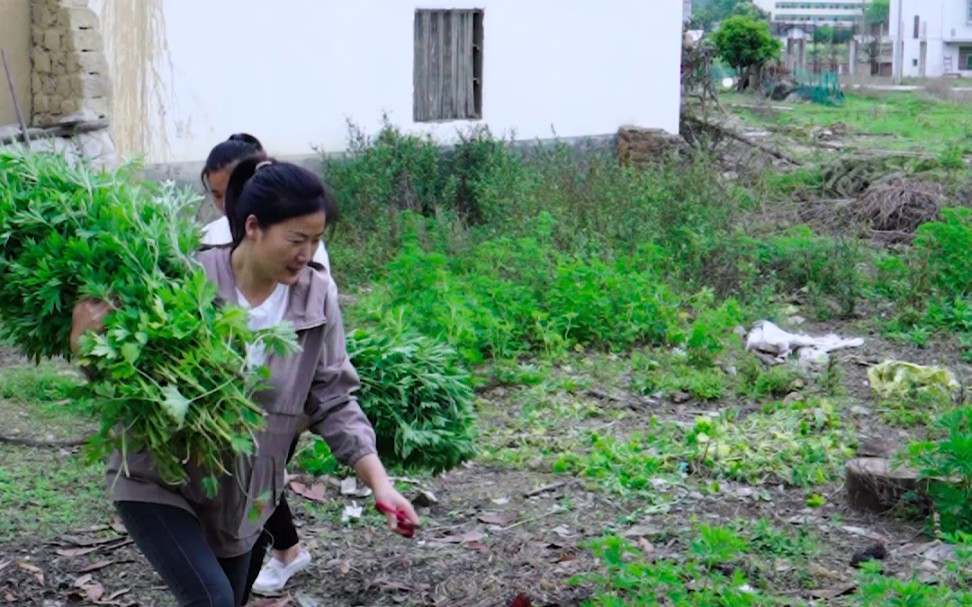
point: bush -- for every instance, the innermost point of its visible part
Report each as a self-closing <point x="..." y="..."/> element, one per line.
<point x="417" y="395"/>
<point x="513" y="296"/>
<point x="826" y="267"/>
<point x="393" y="185"/>
<point x="933" y="279"/>
<point x="945" y="463"/>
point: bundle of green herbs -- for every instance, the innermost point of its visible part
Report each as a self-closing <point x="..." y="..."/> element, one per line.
<point x="168" y="373"/>
<point x="417" y="392"/>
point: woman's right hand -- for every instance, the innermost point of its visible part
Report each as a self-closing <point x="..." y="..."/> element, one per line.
<point x="88" y="315"/>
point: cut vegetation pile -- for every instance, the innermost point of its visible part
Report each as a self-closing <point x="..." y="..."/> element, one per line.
<point x="899" y="205"/>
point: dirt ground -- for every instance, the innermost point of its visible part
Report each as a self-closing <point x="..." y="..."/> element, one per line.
<point x="491" y="533"/>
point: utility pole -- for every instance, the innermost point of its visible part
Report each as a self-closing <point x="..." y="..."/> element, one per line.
<point x="899" y="47"/>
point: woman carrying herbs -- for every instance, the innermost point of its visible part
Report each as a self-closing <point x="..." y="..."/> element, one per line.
<point x="201" y="546"/>
<point x="288" y="557"/>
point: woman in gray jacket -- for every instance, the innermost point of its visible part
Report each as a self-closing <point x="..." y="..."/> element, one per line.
<point x="202" y="547"/>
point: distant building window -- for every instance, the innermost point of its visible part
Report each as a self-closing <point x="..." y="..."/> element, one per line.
<point x="970" y="11"/>
<point x="448" y="69"/>
<point x="917" y="26"/>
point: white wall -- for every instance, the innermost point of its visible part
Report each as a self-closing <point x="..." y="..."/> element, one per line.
<point x="944" y="25"/>
<point x="292" y="71"/>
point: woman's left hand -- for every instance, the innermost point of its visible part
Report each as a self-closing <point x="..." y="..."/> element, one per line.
<point x="394" y="500"/>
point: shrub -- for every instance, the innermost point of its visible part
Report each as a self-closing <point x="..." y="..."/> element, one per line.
<point x="826" y="267"/>
<point x="418" y="397"/>
<point x="945" y="463"/>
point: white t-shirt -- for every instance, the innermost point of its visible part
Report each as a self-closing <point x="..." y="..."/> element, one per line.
<point x="267" y="315"/>
<point x="218" y="233"/>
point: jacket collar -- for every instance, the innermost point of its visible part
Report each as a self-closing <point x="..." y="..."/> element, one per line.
<point x="308" y="296"/>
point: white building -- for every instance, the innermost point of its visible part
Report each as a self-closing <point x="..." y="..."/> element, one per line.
<point x="814" y="12"/>
<point x="294" y="72"/>
<point x="933" y="38"/>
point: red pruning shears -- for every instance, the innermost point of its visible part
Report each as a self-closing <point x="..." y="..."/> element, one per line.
<point x="405" y="526"/>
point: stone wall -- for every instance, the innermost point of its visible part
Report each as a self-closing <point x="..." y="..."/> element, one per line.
<point x="70" y="85"/>
<point x="70" y="74"/>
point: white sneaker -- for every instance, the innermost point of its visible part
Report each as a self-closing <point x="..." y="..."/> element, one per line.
<point x="274" y="574"/>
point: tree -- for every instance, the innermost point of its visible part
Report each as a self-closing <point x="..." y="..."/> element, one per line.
<point x="876" y="18"/>
<point x="877" y="13"/>
<point x="746" y="45"/>
<point x="706" y="13"/>
<point x="749" y="9"/>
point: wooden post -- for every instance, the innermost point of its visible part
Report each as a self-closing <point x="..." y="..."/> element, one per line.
<point x="13" y="94"/>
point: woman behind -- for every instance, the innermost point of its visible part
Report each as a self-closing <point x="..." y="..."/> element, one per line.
<point x="202" y="547"/>
<point x="215" y="177"/>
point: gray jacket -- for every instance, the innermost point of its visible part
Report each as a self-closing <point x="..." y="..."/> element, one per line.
<point x="315" y="387"/>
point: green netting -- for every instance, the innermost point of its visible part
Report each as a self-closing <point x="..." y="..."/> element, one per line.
<point x="823" y="87"/>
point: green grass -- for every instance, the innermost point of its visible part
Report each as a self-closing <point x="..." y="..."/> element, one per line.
<point x="536" y="424"/>
<point x="901" y="121"/>
<point x="45" y="493"/>
<point x="740" y="564"/>
<point x="735" y="564"/>
<point x="46" y="391"/>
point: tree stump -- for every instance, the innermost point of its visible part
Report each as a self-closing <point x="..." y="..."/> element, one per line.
<point x="873" y="485"/>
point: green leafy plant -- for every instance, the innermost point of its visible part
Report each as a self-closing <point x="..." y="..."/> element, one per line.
<point x="826" y="267"/>
<point x="417" y="395"/>
<point x="945" y="464"/>
<point x="668" y="372"/>
<point x="915" y="408"/>
<point x="769" y="382"/>
<point x="932" y="280"/>
<point x="170" y="366"/>
<point x="706" y="576"/>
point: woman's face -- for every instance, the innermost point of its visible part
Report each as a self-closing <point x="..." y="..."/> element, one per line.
<point x="282" y="250"/>
<point x="217" y="182"/>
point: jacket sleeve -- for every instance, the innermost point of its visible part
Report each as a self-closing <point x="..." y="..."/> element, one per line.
<point x="332" y="408"/>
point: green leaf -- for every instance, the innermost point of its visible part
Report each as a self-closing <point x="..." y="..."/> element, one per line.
<point x="175" y="404"/>
<point x="130" y="352"/>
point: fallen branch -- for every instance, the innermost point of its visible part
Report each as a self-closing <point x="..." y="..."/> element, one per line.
<point x="31" y="442"/>
<point x="893" y="236"/>
<point x="544" y="489"/>
<point x="727" y="132"/>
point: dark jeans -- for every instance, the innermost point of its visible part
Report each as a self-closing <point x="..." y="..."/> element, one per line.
<point x="173" y="542"/>
<point x="279" y="531"/>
